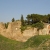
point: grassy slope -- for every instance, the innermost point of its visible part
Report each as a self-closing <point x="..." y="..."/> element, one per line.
<point x="7" y="44"/>
<point x="37" y="40"/>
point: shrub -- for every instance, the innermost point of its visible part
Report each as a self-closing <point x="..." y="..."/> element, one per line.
<point x="6" y="25"/>
<point x="38" y="25"/>
<point x="23" y="28"/>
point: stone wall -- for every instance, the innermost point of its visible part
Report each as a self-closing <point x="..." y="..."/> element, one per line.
<point x="14" y="32"/>
<point x="45" y="31"/>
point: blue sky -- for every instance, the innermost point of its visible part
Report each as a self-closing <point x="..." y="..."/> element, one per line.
<point x="14" y="8"/>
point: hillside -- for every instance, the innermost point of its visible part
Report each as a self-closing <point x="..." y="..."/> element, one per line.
<point x="32" y="43"/>
<point x="7" y="44"/>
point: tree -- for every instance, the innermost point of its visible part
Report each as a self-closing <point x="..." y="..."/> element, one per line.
<point x="28" y="19"/>
<point x="22" y="20"/>
<point x="48" y="18"/>
<point x="35" y="18"/>
<point x="6" y="25"/>
<point x="13" y="19"/>
<point x="39" y="25"/>
<point x="45" y="18"/>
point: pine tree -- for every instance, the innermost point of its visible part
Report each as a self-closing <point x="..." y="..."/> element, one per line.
<point x="13" y="19"/>
<point x="22" y="20"/>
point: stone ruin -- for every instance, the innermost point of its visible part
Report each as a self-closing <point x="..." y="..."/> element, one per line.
<point x="14" y="32"/>
<point x="46" y="30"/>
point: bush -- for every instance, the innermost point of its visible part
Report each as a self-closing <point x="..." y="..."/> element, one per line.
<point x="23" y="28"/>
<point x="38" y="25"/>
<point x="6" y="25"/>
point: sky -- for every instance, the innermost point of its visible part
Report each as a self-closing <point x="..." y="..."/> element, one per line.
<point x="14" y="8"/>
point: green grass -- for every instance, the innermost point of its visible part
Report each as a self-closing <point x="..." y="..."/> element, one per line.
<point x="8" y="44"/>
<point x="37" y="40"/>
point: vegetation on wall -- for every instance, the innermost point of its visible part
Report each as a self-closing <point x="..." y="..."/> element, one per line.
<point x="6" y="25"/>
<point x="38" y="25"/>
<point x="23" y="28"/>
<point x="35" y="20"/>
<point x="22" y="24"/>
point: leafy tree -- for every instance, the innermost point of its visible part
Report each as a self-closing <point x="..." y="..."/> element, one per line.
<point x="35" y="18"/>
<point x="38" y="18"/>
<point x="48" y="18"/>
<point x="45" y="18"/>
<point x="13" y="19"/>
<point x="28" y="19"/>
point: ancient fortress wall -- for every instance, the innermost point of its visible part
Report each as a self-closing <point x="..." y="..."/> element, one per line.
<point x="14" y="32"/>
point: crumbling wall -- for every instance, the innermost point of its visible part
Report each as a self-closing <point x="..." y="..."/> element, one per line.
<point x="45" y="30"/>
<point x="14" y="32"/>
<point x="30" y="31"/>
<point x="2" y="28"/>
